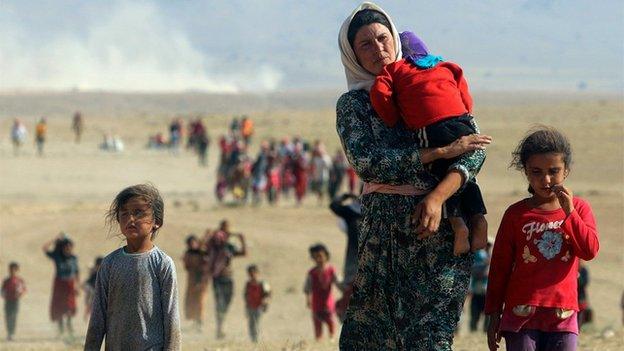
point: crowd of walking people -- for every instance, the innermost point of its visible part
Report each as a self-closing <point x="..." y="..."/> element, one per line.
<point x="207" y="261"/>
<point x="19" y="133"/>
<point x="290" y="167"/>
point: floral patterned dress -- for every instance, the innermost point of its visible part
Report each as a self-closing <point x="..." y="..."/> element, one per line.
<point x="408" y="293"/>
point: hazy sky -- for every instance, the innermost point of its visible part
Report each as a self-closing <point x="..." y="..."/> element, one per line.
<point x="268" y="45"/>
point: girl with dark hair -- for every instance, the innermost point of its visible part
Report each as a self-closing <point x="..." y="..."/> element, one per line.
<point x="136" y="295"/>
<point x="409" y="290"/>
<point x="66" y="282"/>
<point x="532" y="284"/>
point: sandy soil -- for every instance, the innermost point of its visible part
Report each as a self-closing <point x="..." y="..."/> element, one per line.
<point x="70" y="188"/>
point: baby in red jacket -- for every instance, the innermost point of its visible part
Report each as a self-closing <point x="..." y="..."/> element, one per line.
<point x="431" y="97"/>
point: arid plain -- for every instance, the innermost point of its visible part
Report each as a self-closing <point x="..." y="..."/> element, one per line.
<point x="70" y="188"/>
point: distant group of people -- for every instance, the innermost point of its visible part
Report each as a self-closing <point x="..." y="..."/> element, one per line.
<point x="279" y="169"/>
<point x="196" y="133"/>
<point x="197" y="136"/>
<point x="208" y="260"/>
<point x="19" y="133"/>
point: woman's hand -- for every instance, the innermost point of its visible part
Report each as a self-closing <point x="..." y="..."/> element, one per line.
<point x="493" y="332"/>
<point x="465" y="144"/>
<point x="564" y="195"/>
<point x="428" y="214"/>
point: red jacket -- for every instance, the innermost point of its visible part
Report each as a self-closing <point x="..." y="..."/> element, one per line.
<point x="535" y="256"/>
<point x="420" y="97"/>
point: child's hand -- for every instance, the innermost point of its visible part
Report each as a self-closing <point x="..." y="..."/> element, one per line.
<point x="564" y="195"/>
<point x="493" y="332"/>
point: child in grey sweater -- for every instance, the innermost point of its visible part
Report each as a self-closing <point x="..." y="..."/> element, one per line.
<point x="136" y="297"/>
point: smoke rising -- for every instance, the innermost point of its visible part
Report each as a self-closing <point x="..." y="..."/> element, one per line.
<point x="130" y="47"/>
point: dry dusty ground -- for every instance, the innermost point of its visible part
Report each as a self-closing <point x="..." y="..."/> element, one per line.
<point x="70" y="188"/>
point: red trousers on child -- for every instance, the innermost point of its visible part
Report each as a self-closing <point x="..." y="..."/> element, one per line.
<point x="320" y="317"/>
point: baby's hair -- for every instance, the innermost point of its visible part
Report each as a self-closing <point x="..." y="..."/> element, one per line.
<point x="319" y="248"/>
<point x="148" y="193"/>
<point x="541" y="140"/>
<point x="252" y="268"/>
<point x="98" y="260"/>
<point x="13" y="265"/>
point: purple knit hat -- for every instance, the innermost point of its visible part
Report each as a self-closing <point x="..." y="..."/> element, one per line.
<point x="412" y="46"/>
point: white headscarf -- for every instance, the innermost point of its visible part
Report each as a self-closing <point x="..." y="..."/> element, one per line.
<point x="357" y="76"/>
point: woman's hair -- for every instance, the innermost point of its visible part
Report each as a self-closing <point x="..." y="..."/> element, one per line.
<point x="146" y="192"/>
<point x="319" y="248"/>
<point x="364" y="18"/>
<point x="541" y="140"/>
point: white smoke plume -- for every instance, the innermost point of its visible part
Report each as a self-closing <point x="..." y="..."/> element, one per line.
<point x="130" y="48"/>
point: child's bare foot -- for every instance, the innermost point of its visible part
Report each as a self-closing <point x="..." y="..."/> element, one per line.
<point x="479" y="232"/>
<point x="461" y="245"/>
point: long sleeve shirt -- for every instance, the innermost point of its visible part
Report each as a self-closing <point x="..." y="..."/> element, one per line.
<point x="536" y="255"/>
<point x="420" y="97"/>
<point x="136" y="303"/>
<point x="379" y="154"/>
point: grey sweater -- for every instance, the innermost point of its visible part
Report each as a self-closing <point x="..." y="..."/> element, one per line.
<point x="136" y="303"/>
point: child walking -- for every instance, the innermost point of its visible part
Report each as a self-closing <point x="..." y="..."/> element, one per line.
<point x="318" y="290"/>
<point x="66" y="282"/>
<point x="136" y="295"/>
<point x="257" y="296"/>
<point x="431" y="97"/>
<point x="531" y="297"/>
<point x="13" y="288"/>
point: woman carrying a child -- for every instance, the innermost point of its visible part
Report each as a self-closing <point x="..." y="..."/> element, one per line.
<point x="409" y="288"/>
